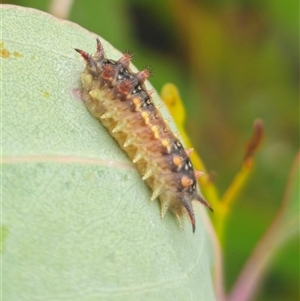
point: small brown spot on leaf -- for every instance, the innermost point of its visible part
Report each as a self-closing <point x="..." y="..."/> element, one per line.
<point x="46" y="94"/>
<point x="17" y="54"/>
<point x="4" y="53"/>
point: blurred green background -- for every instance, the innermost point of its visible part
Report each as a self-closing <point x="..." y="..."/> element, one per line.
<point x="233" y="61"/>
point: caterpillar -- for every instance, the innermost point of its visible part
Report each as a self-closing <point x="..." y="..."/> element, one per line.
<point x="119" y="99"/>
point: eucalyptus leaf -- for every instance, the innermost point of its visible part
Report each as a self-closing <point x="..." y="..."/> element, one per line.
<point x="77" y="221"/>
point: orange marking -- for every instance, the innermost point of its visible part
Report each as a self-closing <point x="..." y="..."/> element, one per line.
<point x="177" y="160"/>
<point x="186" y="181"/>
<point x="137" y="102"/>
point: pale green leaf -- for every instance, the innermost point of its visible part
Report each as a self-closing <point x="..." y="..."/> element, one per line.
<point x="77" y="221"/>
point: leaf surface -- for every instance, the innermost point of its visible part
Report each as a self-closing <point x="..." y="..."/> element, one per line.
<point x="77" y="221"/>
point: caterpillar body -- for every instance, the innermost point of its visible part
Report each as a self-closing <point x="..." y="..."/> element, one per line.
<point x="119" y="99"/>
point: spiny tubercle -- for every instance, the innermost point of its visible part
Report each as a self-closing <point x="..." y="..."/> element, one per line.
<point x="119" y="99"/>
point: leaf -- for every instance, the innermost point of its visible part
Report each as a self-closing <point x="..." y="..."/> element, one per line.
<point x="77" y="219"/>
